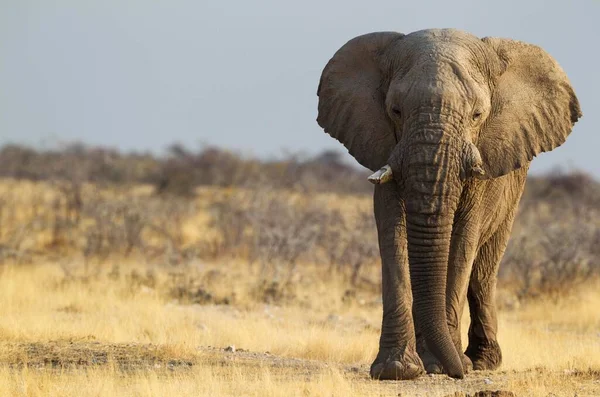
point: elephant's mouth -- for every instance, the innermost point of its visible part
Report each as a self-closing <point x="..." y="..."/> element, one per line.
<point x="472" y="166"/>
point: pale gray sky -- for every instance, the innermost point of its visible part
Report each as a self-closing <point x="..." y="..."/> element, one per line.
<point x="140" y="74"/>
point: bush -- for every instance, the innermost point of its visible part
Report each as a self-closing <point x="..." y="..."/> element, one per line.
<point x="278" y="230"/>
<point x="555" y="243"/>
<point x="269" y="214"/>
<point x="181" y="171"/>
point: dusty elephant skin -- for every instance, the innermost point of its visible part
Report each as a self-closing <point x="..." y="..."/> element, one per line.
<point x="451" y="123"/>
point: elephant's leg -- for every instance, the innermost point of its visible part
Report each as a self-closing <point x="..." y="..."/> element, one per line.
<point x="465" y="237"/>
<point x="397" y="357"/>
<point x="483" y="349"/>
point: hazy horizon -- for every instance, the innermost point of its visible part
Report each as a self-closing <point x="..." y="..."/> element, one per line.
<point x="139" y="75"/>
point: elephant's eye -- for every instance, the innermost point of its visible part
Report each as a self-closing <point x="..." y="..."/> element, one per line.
<point x="476" y="115"/>
<point x="396" y="111"/>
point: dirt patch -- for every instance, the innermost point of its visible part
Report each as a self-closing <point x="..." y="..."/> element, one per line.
<point x="485" y="393"/>
<point x="474" y="385"/>
<point x="66" y="354"/>
<point x="81" y="354"/>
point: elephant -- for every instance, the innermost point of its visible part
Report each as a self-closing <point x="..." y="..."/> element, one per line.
<point x="449" y="123"/>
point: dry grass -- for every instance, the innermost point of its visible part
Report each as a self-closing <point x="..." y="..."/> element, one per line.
<point x="81" y="314"/>
<point x="112" y="336"/>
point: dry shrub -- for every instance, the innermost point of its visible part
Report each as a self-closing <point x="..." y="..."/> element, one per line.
<point x="277" y="214"/>
<point x="150" y="226"/>
<point x="555" y="244"/>
<point x="180" y="171"/>
<point x="281" y="229"/>
<point x="104" y="223"/>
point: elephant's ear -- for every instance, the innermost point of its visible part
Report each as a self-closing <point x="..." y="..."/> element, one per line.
<point x="533" y="110"/>
<point x="352" y="94"/>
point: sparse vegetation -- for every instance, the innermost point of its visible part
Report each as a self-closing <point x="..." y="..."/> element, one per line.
<point x="125" y="264"/>
<point x="179" y="171"/>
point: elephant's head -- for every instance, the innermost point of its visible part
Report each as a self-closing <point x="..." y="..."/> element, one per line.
<point x="430" y="110"/>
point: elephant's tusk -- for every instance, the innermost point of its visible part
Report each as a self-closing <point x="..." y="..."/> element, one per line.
<point x="478" y="170"/>
<point x="472" y="163"/>
<point x="384" y="175"/>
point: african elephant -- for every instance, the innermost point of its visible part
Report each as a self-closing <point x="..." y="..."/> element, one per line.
<point x="452" y="121"/>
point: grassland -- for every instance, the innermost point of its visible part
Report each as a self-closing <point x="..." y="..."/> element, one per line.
<point x="77" y="321"/>
<point x="114" y="336"/>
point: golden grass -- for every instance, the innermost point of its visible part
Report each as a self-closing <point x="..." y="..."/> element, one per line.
<point x="37" y="305"/>
<point x="52" y="329"/>
<point x="202" y="381"/>
<point x="561" y="335"/>
<point x="66" y="330"/>
<point x="236" y="381"/>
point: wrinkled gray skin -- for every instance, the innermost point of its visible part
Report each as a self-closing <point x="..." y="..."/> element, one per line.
<point x="458" y="120"/>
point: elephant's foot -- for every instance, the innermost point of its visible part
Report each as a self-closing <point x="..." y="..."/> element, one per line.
<point x="431" y="364"/>
<point x="485" y="355"/>
<point x="467" y="363"/>
<point x="434" y="366"/>
<point x="396" y="364"/>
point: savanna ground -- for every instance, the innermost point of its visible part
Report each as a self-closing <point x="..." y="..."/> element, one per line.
<point x="116" y="336"/>
<point x="117" y="290"/>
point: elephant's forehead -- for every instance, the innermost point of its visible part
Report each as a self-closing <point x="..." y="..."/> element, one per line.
<point x="444" y="43"/>
<point x="439" y="36"/>
<point x="452" y="55"/>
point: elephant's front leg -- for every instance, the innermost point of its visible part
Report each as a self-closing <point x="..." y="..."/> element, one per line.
<point x="462" y="255"/>
<point x="483" y="348"/>
<point x="397" y="357"/>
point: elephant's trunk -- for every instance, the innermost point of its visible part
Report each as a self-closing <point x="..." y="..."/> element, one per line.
<point x="431" y="168"/>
